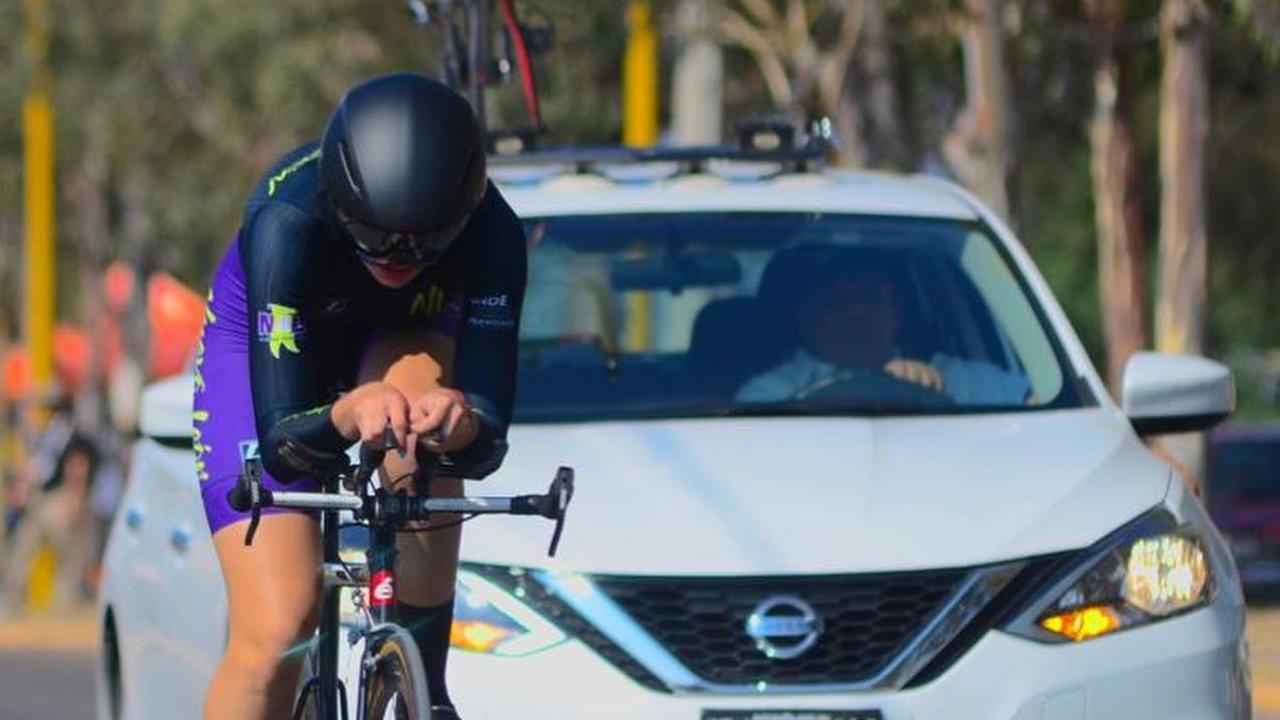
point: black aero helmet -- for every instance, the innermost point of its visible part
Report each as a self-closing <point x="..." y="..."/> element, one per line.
<point x="403" y="163"/>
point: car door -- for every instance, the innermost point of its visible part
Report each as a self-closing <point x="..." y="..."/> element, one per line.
<point x="134" y="577"/>
<point x="190" y="598"/>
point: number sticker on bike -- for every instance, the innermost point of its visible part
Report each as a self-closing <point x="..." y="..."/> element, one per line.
<point x="382" y="588"/>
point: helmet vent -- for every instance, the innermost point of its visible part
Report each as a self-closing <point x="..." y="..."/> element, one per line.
<point x="346" y="170"/>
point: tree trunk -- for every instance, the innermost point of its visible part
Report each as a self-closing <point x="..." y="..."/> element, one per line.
<point x="94" y="224"/>
<point x="1184" y="123"/>
<point x="804" y="78"/>
<point x="832" y="76"/>
<point x="1122" y="265"/>
<point x="10" y="255"/>
<point x="885" y="140"/>
<point x="135" y="235"/>
<point x="697" y="97"/>
<point x="979" y="146"/>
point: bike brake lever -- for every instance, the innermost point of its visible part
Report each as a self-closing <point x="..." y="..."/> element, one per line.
<point x="561" y="493"/>
<point x="254" y="516"/>
<point x="254" y="482"/>
<point x="373" y="453"/>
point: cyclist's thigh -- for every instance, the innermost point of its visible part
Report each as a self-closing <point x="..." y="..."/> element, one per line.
<point x="272" y="585"/>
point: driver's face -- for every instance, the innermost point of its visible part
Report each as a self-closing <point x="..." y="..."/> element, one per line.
<point x="851" y="321"/>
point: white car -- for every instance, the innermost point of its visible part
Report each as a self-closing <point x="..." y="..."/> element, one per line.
<point x="839" y="455"/>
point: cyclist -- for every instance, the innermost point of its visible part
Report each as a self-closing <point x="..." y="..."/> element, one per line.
<point x="376" y="281"/>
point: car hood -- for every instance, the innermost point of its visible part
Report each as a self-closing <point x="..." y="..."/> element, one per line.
<point x="764" y="496"/>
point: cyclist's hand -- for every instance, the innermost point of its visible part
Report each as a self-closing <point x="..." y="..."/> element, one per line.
<point x="365" y="412"/>
<point x="444" y="421"/>
<point x="914" y="371"/>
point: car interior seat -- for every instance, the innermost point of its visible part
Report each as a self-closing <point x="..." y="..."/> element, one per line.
<point x="733" y="340"/>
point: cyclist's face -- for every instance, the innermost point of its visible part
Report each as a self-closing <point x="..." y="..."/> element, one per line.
<point x="391" y="275"/>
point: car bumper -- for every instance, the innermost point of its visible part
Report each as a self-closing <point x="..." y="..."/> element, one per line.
<point x="1192" y="667"/>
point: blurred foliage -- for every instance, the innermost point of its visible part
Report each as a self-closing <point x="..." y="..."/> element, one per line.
<point x="186" y="102"/>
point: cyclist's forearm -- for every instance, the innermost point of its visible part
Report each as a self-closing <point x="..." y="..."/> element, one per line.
<point x="342" y="416"/>
<point x="485" y="453"/>
<point x="304" y="443"/>
<point x="283" y="365"/>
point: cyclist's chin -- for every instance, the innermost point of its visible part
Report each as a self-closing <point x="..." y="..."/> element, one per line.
<point x="394" y="276"/>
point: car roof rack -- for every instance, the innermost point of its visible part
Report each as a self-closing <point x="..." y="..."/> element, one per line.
<point x="759" y="140"/>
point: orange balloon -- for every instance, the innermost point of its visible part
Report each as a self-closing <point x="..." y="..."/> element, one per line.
<point x="117" y="284"/>
<point x="177" y="316"/>
<point x="71" y="351"/>
<point x="15" y="373"/>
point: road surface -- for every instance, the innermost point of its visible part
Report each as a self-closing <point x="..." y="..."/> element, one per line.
<point x="46" y="684"/>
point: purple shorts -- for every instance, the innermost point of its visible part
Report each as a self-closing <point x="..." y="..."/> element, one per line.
<point x="225" y="431"/>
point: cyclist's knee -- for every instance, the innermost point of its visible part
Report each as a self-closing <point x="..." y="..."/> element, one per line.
<point x="259" y="652"/>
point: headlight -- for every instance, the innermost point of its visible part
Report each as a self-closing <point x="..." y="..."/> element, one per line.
<point x="1151" y="569"/>
<point x="488" y="619"/>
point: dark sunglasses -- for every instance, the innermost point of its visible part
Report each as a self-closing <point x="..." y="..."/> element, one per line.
<point x="390" y="246"/>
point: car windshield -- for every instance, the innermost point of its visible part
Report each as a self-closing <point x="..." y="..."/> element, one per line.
<point x="685" y="315"/>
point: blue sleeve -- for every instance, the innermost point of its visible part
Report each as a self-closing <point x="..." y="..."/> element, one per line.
<point x="295" y="432"/>
<point x="976" y="382"/>
<point x="485" y="362"/>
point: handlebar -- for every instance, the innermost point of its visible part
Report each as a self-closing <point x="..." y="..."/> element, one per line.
<point x="388" y="509"/>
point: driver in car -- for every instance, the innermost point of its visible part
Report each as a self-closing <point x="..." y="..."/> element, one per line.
<point x="848" y="325"/>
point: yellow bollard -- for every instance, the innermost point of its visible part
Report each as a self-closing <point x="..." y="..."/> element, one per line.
<point x="640" y="77"/>
<point x="639" y="129"/>
<point x="40" y="581"/>
<point x="39" y="191"/>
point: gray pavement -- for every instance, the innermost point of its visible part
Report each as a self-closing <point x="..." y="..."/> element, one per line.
<point x="46" y="684"/>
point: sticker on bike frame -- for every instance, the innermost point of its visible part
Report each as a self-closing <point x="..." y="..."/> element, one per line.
<point x="382" y="589"/>
<point x="792" y="715"/>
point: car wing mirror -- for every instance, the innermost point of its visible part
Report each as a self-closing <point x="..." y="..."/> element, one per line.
<point x="1164" y="393"/>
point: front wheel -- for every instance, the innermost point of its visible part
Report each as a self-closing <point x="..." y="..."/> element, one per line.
<point x="396" y="686"/>
<point x="307" y="708"/>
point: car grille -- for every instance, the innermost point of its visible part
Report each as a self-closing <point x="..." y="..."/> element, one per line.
<point x="867" y="620"/>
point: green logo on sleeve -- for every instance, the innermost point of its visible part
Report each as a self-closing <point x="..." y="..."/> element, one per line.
<point x="279" y="327"/>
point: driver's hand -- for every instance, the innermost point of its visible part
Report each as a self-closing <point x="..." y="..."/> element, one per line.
<point x="914" y="371"/>
<point x="444" y="421"/>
